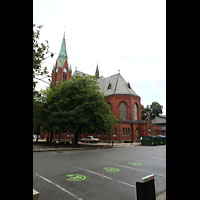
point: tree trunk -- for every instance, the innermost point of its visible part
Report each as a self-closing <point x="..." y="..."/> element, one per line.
<point x="59" y="137"/>
<point x="38" y="133"/>
<point x="47" y="139"/>
<point x="76" y="138"/>
<point x="51" y="137"/>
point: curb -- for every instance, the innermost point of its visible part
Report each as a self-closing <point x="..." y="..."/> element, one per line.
<point x="83" y="148"/>
<point x="69" y="149"/>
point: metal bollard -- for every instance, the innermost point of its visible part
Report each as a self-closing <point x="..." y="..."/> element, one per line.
<point x="145" y="188"/>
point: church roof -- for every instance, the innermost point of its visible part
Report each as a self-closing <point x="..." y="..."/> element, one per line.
<point x="112" y="85"/>
<point x="62" y="57"/>
<point x="115" y="85"/>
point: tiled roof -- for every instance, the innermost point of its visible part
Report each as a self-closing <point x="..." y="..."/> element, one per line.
<point x="114" y="85"/>
<point x="159" y="120"/>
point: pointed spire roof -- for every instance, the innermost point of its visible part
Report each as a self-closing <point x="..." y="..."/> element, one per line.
<point x="97" y="71"/>
<point x="63" y="51"/>
<point x="62" y="57"/>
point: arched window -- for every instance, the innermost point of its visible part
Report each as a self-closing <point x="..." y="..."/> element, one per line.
<point x="122" y="110"/>
<point x="56" y="70"/>
<point x="64" y="76"/>
<point x="135" y="112"/>
<point x="64" y="70"/>
<point x="115" y="132"/>
<point x="123" y="131"/>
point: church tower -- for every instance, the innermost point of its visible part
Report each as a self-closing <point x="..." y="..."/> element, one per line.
<point x="97" y="72"/>
<point x="61" y="70"/>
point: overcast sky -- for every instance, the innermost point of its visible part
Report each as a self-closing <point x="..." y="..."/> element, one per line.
<point x="125" y="35"/>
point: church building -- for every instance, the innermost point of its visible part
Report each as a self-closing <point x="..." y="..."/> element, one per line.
<point x="123" y="100"/>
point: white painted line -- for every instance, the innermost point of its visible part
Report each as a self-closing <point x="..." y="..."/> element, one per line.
<point x="58" y="186"/>
<point x="137" y="169"/>
<point x="107" y="177"/>
<point x="96" y="173"/>
<point x="126" y="183"/>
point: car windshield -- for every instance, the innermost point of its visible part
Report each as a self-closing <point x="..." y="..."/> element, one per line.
<point x="88" y="137"/>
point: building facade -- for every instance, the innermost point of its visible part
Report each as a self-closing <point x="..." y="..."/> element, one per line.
<point x="160" y="121"/>
<point x="123" y="101"/>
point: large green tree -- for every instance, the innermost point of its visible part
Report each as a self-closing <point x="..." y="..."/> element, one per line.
<point x="77" y="106"/>
<point x="154" y="110"/>
<point x="38" y="112"/>
<point x="40" y="53"/>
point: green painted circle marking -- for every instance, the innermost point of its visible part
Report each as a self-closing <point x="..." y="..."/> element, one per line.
<point x="111" y="169"/>
<point x="75" y="177"/>
<point x="135" y="163"/>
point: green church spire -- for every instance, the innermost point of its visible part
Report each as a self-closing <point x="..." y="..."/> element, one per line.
<point x="63" y="52"/>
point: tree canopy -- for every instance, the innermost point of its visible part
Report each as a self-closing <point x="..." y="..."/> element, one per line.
<point x="40" y="53"/>
<point x="154" y="110"/>
<point x="77" y="106"/>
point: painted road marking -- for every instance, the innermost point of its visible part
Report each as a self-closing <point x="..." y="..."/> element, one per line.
<point x="96" y="173"/>
<point x="135" y="163"/>
<point x="108" y="177"/>
<point x="75" y="177"/>
<point x="111" y="169"/>
<point x="126" y="183"/>
<point x="58" y="186"/>
<point x="137" y="169"/>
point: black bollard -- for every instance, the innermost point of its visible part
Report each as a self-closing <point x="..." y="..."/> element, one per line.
<point x="112" y="143"/>
<point x="145" y="188"/>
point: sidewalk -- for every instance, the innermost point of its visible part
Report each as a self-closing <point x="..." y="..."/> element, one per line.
<point x="161" y="196"/>
<point x="42" y="146"/>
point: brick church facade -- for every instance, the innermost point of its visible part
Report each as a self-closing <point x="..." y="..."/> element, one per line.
<point x="123" y="101"/>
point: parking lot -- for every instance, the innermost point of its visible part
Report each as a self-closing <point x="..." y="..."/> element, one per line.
<point x="108" y="174"/>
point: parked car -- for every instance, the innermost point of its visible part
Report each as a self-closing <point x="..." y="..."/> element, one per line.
<point x="35" y="137"/>
<point x="90" y="139"/>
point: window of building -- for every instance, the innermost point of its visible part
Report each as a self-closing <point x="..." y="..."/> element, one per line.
<point x="67" y="133"/>
<point x="56" y="70"/>
<point x="115" y="132"/>
<point x="109" y="86"/>
<point x="64" y="76"/>
<point x="123" y="131"/>
<point x="135" y="112"/>
<point x="122" y="110"/>
<point x="128" y="131"/>
<point x="64" y="70"/>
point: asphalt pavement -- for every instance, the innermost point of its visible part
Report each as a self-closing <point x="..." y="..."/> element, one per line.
<point x="90" y="167"/>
